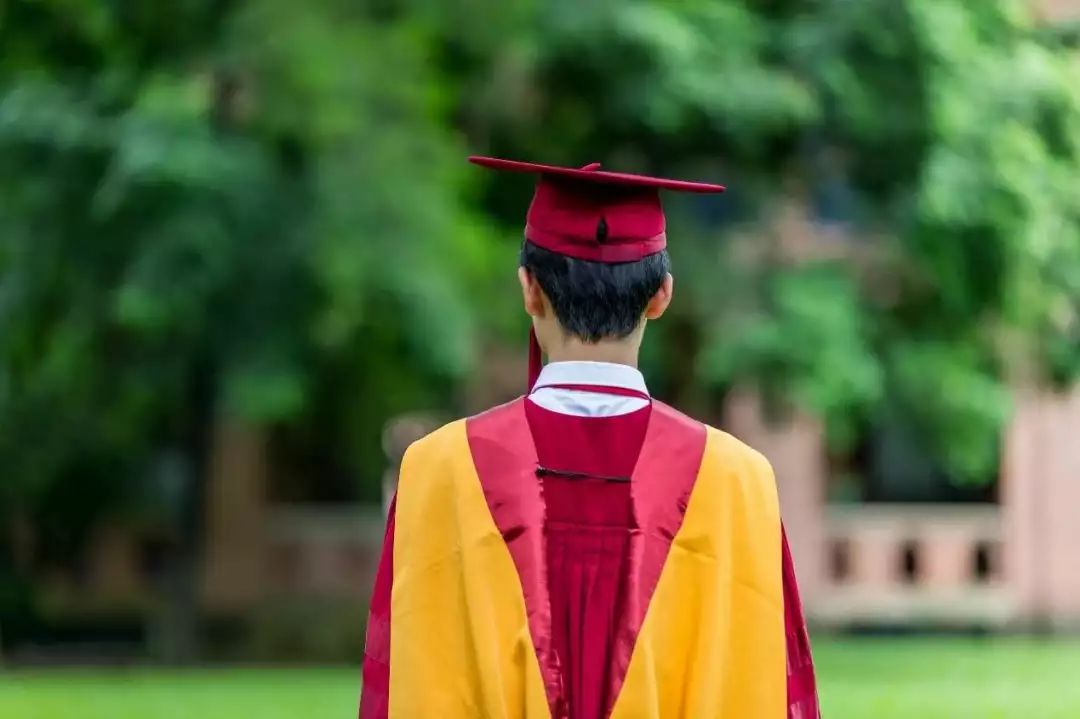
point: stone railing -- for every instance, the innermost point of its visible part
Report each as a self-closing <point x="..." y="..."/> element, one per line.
<point x="323" y="551"/>
<point x="908" y="564"/>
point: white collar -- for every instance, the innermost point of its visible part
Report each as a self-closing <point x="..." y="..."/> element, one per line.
<point x="605" y="374"/>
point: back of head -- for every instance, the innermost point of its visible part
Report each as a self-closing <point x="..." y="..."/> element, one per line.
<point x="595" y="253"/>
<point x="595" y="301"/>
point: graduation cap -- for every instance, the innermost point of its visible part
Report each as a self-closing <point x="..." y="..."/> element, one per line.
<point x="592" y="214"/>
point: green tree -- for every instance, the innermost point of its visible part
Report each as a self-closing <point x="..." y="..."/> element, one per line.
<point x="207" y="208"/>
<point x="260" y="207"/>
<point x="942" y="136"/>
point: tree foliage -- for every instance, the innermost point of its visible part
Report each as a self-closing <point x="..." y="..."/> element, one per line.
<point x="214" y="209"/>
<point x="260" y="207"/>
<point x="943" y="135"/>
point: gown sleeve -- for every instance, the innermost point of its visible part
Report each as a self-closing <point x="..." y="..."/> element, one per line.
<point x="801" y="684"/>
<point x="375" y="693"/>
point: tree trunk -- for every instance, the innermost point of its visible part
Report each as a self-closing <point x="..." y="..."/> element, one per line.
<point x="178" y="629"/>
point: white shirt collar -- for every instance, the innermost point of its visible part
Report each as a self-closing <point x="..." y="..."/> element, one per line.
<point x="550" y="396"/>
<point x="605" y="374"/>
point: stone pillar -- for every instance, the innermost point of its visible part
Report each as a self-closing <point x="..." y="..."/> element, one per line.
<point x="947" y="556"/>
<point x="1021" y="505"/>
<point x="234" y="550"/>
<point x="796" y="449"/>
<point x="1061" y="467"/>
<point x="1040" y="484"/>
<point x="876" y="557"/>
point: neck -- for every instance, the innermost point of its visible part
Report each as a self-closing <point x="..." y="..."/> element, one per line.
<point x="574" y="350"/>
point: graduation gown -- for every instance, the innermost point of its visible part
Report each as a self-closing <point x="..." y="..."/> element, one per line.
<point x="537" y="582"/>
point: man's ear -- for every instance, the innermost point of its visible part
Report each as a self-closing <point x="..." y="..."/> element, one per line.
<point x="660" y="301"/>
<point x="531" y="294"/>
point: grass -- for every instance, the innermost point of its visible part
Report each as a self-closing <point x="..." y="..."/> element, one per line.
<point x="859" y="679"/>
<point x="180" y="694"/>
<point x="949" y="678"/>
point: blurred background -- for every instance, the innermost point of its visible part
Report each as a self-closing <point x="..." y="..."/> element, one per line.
<point x="243" y="263"/>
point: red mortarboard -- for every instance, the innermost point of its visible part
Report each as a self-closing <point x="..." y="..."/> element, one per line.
<point x="596" y="215"/>
<point x="593" y="215"/>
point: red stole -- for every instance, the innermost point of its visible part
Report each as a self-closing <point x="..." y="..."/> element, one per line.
<point x="636" y="520"/>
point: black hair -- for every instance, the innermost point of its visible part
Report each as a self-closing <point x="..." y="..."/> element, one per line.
<point x="596" y="300"/>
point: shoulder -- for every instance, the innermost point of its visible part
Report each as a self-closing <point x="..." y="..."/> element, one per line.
<point x="726" y="454"/>
<point x="430" y="469"/>
<point x="435" y="445"/>
<point x="497" y="424"/>
<point x="733" y="452"/>
<point x="745" y="471"/>
<point x="721" y="449"/>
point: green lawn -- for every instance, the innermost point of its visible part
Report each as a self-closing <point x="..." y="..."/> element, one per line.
<point x="860" y="679"/>
<point x="949" y="679"/>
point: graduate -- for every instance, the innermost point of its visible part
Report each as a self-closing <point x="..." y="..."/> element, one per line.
<point x="586" y="551"/>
